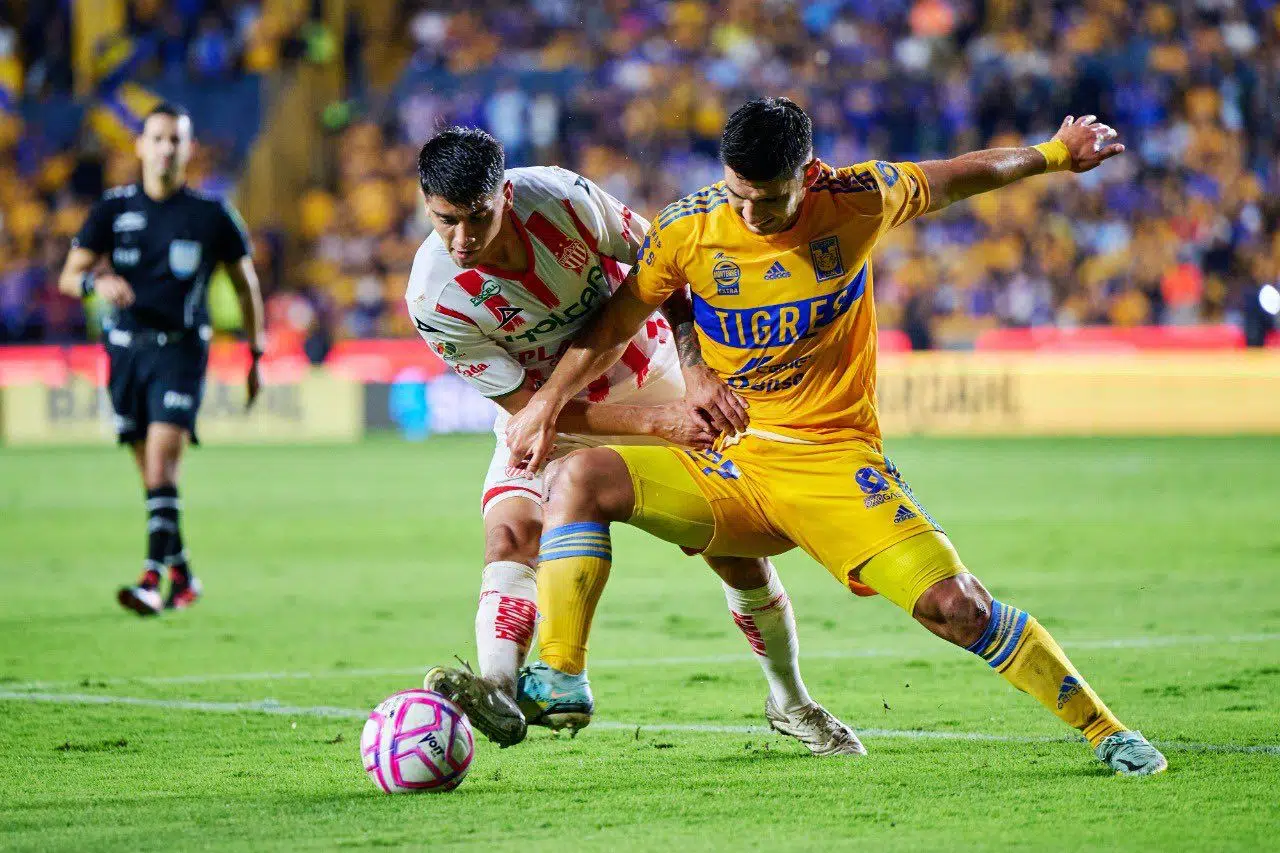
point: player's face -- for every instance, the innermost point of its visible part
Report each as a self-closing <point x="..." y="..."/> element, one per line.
<point x="165" y="147"/>
<point x="470" y="232"/>
<point x="769" y="207"/>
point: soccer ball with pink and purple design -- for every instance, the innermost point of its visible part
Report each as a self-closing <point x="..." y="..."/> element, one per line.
<point x="417" y="740"/>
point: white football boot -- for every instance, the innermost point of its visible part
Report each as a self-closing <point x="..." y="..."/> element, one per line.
<point x="815" y="727"/>
<point x="1130" y="754"/>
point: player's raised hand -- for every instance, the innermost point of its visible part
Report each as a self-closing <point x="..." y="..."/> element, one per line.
<point x="114" y="289"/>
<point x="722" y="406"/>
<point x="684" y="424"/>
<point x="1088" y="141"/>
<point x="531" y="437"/>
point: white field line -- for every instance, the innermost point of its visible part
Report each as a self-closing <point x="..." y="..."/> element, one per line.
<point x="633" y="663"/>
<point x="268" y="706"/>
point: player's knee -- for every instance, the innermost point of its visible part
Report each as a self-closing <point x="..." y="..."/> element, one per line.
<point x="742" y="572"/>
<point x="513" y="541"/>
<point x="957" y="609"/>
<point x="587" y="485"/>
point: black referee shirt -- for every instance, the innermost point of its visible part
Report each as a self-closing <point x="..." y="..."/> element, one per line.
<point x="166" y="250"/>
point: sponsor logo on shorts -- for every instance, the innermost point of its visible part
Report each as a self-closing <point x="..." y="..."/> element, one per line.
<point x="471" y="371"/>
<point x="903" y="514"/>
<point x="177" y="400"/>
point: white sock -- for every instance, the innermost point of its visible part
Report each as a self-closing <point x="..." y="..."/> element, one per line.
<point x="765" y="617"/>
<point x="505" y="620"/>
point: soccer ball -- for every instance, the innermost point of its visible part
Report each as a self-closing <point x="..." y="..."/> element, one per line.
<point x="417" y="740"/>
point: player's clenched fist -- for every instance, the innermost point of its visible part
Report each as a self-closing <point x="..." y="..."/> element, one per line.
<point x="1088" y="142"/>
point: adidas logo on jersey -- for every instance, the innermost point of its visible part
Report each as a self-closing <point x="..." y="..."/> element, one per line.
<point x="776" y="272"/>
<point x="1070" y="687"/>
<point x="903" y="514"/>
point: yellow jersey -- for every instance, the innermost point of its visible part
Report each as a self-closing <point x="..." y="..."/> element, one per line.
<point x="788" y="320"/>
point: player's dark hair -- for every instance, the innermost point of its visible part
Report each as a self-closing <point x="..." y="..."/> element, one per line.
<point x="167" y="108"/>
<point x="461" y="165"/>
<point x="766" y="139"/>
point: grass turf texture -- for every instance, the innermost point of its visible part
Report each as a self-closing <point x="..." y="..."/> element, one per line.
<point x="336" y="560"/>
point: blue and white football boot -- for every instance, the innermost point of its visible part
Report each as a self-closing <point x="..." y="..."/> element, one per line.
<point x="1131" y="754"/>
<point x="557" y="700"/>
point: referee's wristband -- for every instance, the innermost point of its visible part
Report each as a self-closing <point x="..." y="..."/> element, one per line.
<point x="86" y="285"/>
<point x="1056" y="155"/>
<point x="255" y="353"/>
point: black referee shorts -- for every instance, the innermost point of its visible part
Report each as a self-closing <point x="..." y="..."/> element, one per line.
<point x="154" y="379"/>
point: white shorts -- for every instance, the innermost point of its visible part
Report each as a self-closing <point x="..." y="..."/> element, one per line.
<point x="666" y="388"/>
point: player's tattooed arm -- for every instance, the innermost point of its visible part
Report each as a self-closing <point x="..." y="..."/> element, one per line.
<point x="705" y="392"/>
<point x="1079" y="145"/>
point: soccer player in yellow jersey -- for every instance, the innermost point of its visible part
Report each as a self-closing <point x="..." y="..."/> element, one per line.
<point x="778" y="259"/>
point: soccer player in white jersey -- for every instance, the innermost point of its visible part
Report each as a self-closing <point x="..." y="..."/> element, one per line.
<point x="517" y="263"/>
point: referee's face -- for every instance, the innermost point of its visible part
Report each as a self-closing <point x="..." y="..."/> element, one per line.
<point x="165" y="147"/>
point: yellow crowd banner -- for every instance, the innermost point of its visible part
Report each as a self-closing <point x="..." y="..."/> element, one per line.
<point x="317" y="408"/>
<point x="997" y="394"/>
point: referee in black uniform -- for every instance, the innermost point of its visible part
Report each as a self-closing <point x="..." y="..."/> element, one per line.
<point x="155" y="244"/>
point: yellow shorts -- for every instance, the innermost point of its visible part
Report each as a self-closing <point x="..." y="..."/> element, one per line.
<point x="843" y="503"/>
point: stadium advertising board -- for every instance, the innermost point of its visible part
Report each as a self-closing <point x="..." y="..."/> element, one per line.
<point x="316" y="407"/>
<point x="1001" y="394"/>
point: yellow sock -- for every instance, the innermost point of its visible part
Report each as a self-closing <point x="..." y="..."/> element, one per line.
<point x="573" y="566"/>
<point x="1019" y="648"/>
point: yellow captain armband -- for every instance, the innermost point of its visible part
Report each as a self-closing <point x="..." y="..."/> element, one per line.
<point x="1055" y="154"/>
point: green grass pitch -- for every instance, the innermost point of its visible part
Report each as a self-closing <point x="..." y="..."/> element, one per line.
<point x="335" y="575"/>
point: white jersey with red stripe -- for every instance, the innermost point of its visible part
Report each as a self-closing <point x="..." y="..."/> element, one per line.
<point x="496" y="327"/>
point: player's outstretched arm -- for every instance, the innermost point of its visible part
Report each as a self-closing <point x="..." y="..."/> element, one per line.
<point x="244" y="278"/>
<point x="670" y="422"/>
<point x="1079" y="145"/>
<point x="531" y="432"/>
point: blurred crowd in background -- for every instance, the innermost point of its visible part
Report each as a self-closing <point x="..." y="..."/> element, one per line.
<point x="1183" y="229"/>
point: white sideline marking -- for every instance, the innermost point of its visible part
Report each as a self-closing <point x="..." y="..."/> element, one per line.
<point x="268" y="706"/>
<point x="632" y="663"/>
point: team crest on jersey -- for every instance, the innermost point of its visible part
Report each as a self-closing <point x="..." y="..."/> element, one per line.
<point x="726" y="274"/>
<point x="184" y="257"/>
<point x="573" y="255"/>
<point x="827" y="262"/>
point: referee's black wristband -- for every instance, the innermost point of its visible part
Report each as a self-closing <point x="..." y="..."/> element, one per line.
<point x="86" y="285"/>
